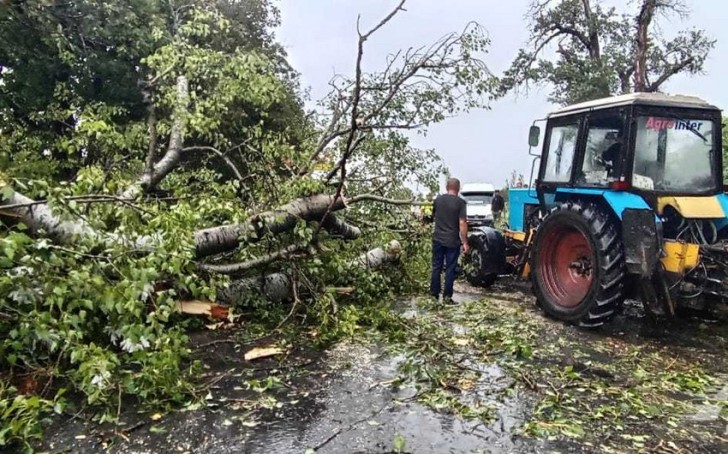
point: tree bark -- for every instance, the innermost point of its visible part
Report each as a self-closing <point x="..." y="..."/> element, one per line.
<point x="40" y="218"/>
<point x="669" y="72"/>
<point x="228" y="237"/>
<point x="339" y="228"/>
<point x="156" y="173"/>
<point x="274" y="287"/>
<point x="379" y="256"/>
<point x="277" y="287"/>
<point x="644" y="18"/>
<point x="152" y="130"/>
<point x="594" y="47"/>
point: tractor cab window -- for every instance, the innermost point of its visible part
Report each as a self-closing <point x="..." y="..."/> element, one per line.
<point x="674" y="154"/>
<point x="560" y="155"/>
<point x="604" y="151"/>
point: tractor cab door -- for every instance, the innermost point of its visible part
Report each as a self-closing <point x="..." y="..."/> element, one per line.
<point x="604" y="151"/>
<point x="558" y="158"/>
<point x="587" y="150"/>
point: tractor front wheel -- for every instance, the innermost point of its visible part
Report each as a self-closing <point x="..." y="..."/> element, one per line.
<point x="577" y="265"/>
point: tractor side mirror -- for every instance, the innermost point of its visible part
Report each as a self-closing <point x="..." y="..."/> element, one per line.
<point x="533" y="134"/>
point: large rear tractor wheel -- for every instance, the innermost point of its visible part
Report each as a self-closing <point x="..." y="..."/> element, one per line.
<point x="577" y="265"/>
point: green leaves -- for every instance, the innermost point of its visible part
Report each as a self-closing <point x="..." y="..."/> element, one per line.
<point x="399" y="443"/>
<point x="584" y="50"/>
<point x="97" y="318"/>
<point x="20" y="416"/>
<point x="91" y="90"/>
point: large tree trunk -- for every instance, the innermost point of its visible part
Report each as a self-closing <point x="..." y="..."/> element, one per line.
<point x="595" y="51"/>
<point x="228" y="237"/>
<point x="40" y="218"/>
<point x="379" y="256"/>
<point x="644" y="18"/>
<point x="277" y="287"/>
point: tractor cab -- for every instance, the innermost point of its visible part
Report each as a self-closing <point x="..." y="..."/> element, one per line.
<point x="628" y="202"/>
<point x="648" y="144"/>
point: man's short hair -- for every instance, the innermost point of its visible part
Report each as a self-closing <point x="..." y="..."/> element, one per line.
<point x="452" y="183"/>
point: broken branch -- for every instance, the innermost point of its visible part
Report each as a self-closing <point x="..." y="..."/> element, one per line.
<point x="169" y="161"/>
<point x="236" y="268"/>
<point x="278" y="287"/>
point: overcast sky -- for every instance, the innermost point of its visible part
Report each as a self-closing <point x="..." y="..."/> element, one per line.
<point x="320" y="38"/>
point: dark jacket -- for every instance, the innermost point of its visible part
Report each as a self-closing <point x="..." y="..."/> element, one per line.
<point x="497" y="204"/>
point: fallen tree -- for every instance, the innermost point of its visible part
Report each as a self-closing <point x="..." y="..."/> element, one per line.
<point x="203" y="180"/>
<point x="278" y="287"/>
<point x="39" y="217"/>
<point x="224" y="238"/>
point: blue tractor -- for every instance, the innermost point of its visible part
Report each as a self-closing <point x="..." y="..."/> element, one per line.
<point x="628" y="202"/>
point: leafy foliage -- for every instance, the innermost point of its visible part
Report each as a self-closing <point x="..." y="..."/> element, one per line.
<point x="193" y="104"/>
<point x="584" y="50"/>
<point x="600" y="390"/>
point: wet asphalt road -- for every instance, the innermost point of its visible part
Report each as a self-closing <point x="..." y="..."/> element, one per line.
<point x="343" y="403"/>
<point x="338" y="401"/>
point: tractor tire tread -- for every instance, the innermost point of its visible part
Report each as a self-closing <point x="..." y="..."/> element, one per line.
<point x="479" y="278"/>
<point x="609" y="295"/>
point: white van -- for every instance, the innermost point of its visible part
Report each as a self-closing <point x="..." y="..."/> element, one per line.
<point x="478" y="197"/>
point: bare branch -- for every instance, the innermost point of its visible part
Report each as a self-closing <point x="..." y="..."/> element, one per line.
<point x="669" y="72"/>
<point x="332" y="173"/>
<point x="565" y="30"/>
<point x="383" y="22"/>
<point x="353" y="139"/>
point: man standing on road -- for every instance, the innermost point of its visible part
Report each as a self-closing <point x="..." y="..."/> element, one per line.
<point x="497" y="205"/>
<point x="450" y="234"/>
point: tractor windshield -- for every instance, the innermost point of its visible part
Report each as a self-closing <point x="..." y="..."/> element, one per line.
<point x="674" y="155"/>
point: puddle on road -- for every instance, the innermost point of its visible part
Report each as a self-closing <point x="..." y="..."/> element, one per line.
<point x="362" y="413"/>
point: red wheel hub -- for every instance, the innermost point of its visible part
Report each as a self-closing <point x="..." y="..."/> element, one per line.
<point x="566" y="265"/>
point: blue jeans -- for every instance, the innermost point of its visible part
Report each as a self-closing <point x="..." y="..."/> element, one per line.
<point x="447" y="257"/>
